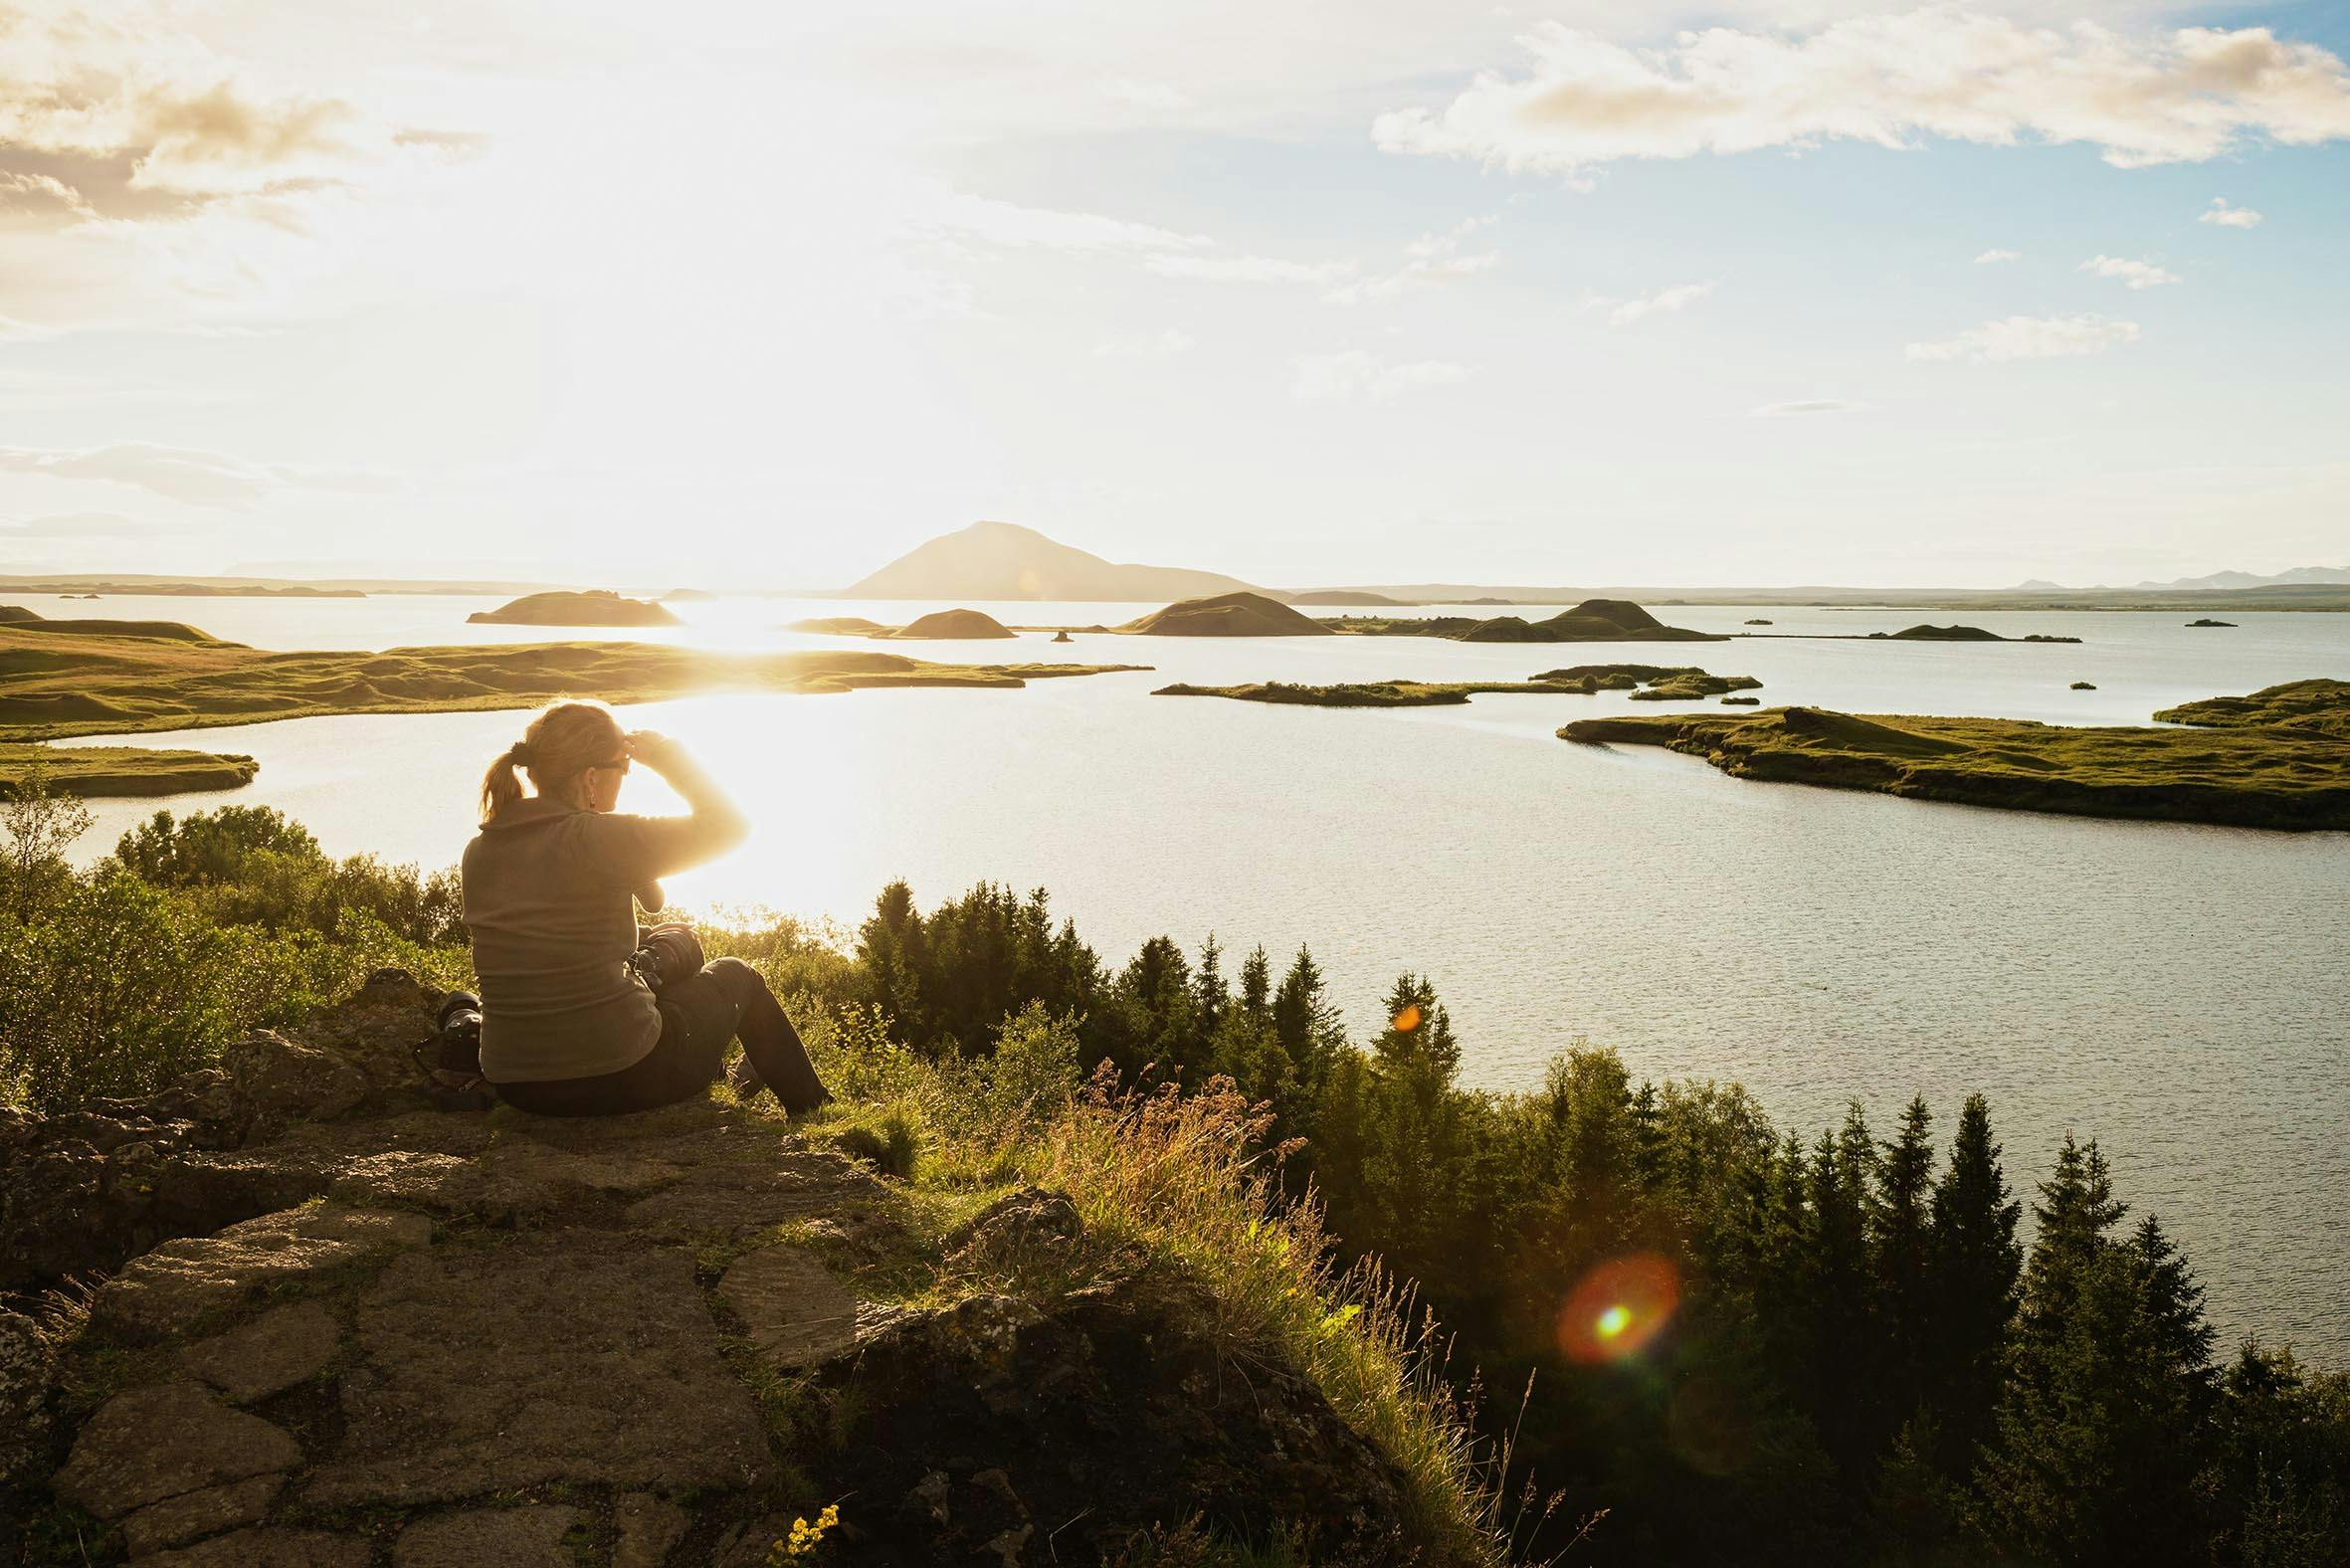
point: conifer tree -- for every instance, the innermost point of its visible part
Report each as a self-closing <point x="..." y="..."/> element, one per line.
<point x="1836" y="1293"/>
<point x="1307" y="1026"/>
<point x="1899" y="1240"/>
<point x="1974" y="1266"/>
<point x="1210" y="997"/>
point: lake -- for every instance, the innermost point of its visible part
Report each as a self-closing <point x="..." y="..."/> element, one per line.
<point x="2180" y="993"/>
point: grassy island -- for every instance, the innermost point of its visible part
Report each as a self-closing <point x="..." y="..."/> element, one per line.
<point x="1960" y="634"/>
<point x="127" y="682"/>
<point x="1592" y="621"/>
<point x="951" y="625"/>
<point x="595" y="607"/>
<point x="1657" y="682"/>
<point x="124" y="770"/>
<point x="2320" y="705"/>
<point x="2249" y="776"/>
<point x="1228" y="614"/>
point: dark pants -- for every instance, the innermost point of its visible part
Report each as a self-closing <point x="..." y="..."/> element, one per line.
<point x="697" y="1017"/>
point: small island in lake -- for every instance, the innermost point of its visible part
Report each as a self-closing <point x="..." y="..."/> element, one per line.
<point x="1346" y="596"/>
<point x="1228" y="614"/>
<point x="2319" y="705"/>
<point x="1657" y="683"/>
<point x="837" y="626"/>
<point x="1760" y="620"/>
<point x="950" y="624"/>
<point x="1961" y="634"/>
<point x="564" y="606"/>
<point x="2084" y="686"/>
<point x="2276" y="759"/>
<point x="126" y="676"/>
<point x="2208" y="621"/>
<point x="938" y="626"/>
<point x="122" y="770"/>
<point x="1592" y="621"/>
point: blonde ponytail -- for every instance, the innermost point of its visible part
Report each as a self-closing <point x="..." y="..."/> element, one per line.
<point x="561" y="743"/>
<point x="499" y="787"/>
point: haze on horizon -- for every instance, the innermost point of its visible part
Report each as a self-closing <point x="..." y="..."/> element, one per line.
<point x="1585" y="292"/>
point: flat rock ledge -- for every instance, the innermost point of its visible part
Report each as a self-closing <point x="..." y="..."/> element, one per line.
<point x="408" y="1337"/>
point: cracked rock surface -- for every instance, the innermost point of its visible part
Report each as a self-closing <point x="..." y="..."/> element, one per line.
<point x="403" y="1337"/>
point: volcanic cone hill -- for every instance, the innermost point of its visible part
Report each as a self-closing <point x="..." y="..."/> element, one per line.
<point x="1592" y="621"/>
<point x="1228" y="614"/>
<point x="327" y="1324"/>
<point x="594" y="607"/>
<point x="1001" y="561"/>
<point x="950" y="624"/>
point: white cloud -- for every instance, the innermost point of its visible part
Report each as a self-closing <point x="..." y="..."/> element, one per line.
<point x="34" y="191"/>
<point x="2227" y="217"/>
<point x="1248" y="268"/>
<point x="1431" y="259"/>
<point x="202" y="479"/>
<point x="1165" y="251"/>
<point x="1357" y="372"/>
<point x="132" y="114"/>
<point x="2184" y="96"/>
<point x="1174" y="340"/>
<point x="1156" y="96"/>
<point x="2138" y="274"/>
<point x="1994" y="258"/>
<point x="83" y="525"/>
<point x="2031" y="338"/>
<point x="1816" y="405"/>
<point x="1659" y="301"/>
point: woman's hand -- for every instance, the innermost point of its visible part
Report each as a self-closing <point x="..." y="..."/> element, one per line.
<point x="655" y="749"/>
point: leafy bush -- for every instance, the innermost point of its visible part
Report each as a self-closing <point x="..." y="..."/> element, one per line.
<point x="252" y="866"/>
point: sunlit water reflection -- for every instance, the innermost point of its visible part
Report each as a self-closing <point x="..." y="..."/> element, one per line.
<point x="2180" y="993"/>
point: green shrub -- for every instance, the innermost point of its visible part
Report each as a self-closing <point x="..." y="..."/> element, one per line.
<point x="117" y="987"/>
<point x="250" y="865"/>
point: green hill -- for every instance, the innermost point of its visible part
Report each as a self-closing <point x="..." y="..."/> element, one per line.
<point x="593" y="607"/>
<point x="2247" y="775"/>
<point x="1228" y="614"/>
<point x="950" y="624"/>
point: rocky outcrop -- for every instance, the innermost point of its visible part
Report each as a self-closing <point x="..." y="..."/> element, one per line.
<point x="320" y="1321"/>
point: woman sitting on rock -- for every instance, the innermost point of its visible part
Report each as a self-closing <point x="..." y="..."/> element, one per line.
<point x="569" y="1028"/>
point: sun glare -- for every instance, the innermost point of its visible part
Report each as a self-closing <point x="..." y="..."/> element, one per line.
<point x="1618" y="1307"/>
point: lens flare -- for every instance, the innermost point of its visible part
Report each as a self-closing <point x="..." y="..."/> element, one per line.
<point x="1618" y="1307"/>
<point x="1406" y="1020"/>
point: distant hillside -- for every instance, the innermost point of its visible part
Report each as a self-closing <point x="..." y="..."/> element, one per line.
<point x="951" y="625"/>
<point x="1002" y="560"/>
<point x="1228" y="614"/>
<point x="596" y="607"/>
<point x="2297" y="577"/>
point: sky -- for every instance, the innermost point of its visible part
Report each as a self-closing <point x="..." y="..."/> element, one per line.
<point x="1603" y="293"/>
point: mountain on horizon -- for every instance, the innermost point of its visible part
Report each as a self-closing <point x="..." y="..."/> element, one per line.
<point x="2325" y="576"/>
<point x="2298" y="574"/>
<point x="1002" y="560"/>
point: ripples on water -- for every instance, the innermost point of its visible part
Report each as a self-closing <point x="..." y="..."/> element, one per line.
<point x="2180" y="993"/>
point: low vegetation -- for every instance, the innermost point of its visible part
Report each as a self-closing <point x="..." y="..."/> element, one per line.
<point x="124" y="679"/>
<point x="2318" y="707"/>
<point x="1646" y="683"/>
<point x="122" y="770"/>
<point x="2294" y="777"/>
<point x="1731" y="1341"/>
